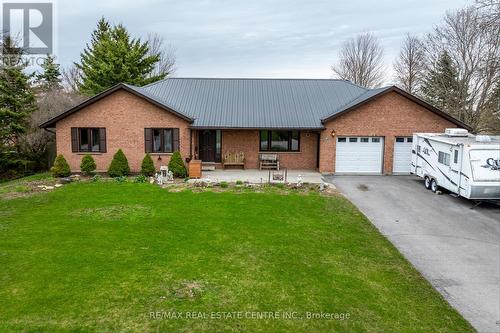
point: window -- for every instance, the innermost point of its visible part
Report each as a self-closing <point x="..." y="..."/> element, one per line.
<point x="353" y="139"/>
<point x="92" y="140"/>
<point x="161" y="140"/>
<point x="400" y="139"/>
<point x="409" y="139"/>
<point x="444" y="158"/>
<point x="418" y="148"/>
<point x="455" y="156"/>
<point x="342" y="139"/>
<point x="279" y="140"/>
<point x="375" y="139"/>
<point x="364" y="140"/>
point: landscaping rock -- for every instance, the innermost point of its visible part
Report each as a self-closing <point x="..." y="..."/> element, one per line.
<point x="65" y="180"/>
<point x="58" y="185"/>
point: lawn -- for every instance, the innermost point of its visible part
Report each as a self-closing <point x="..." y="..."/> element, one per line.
<point x="104" y="256"/>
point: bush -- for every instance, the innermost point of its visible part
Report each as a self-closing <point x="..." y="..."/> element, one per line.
<point x="61" y="167"/>
<point x="88" y="165"/>
<point x="119" y="165"/>
<point x="121" y="179"/>
<point x="224" y="184"/>
<point x="176" y="165"/>
<point x="147" y="166"/>
<point x="141" y="179"/>
<point x="96" y="178"/>
<point x="239" y="182"/>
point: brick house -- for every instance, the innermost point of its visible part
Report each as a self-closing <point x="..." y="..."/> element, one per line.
<point x="325" y="125"/>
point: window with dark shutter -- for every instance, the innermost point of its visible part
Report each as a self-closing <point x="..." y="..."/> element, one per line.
<point x="85" y="139"/>
<point x="161" y="140"/>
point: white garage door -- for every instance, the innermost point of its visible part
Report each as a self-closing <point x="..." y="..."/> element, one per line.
<point x="402" y="155"/>
<point x="359" y="154"/>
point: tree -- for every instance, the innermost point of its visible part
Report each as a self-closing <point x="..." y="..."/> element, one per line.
<point x="119" y="165"/>
<point x="50" y="78"/>
<point x="473" y="42"/>
<point x="87" y="166"/>
<point x="114" y="57"/>
<point x="166" y="65"/>
<point x="61" y="167"/>
<point x="17" y="100"/>
<point x="176" y="165"/>
<point x="410" y="64"/>
<point x="148" y="166"/>
<point x="441" y="87"/>
<point x="361" y="61"/>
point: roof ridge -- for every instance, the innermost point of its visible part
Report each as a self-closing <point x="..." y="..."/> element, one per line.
<point x="247" y="78"/>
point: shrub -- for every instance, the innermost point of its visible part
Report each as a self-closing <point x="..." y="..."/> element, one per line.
<point x="61" y="167"/>
<point x="88" y="165"/>
<point x="96" y="178"/>
<point x="141" y="179"/>
<point x="224" y="184"/>
<point x="121" y="179"/>
<point x="239" y="182"/>
<point x="119" y="165"/>
<point x="176" y="165"/>
<point x="147" y="166"/>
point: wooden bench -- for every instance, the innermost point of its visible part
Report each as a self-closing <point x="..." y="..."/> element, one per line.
<point x="269" y="161"/>
<point x="234" y="159"/>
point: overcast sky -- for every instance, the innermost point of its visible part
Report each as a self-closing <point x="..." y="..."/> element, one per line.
<point x="252" y="38"/>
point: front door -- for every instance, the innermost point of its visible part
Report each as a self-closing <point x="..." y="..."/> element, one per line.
<point x="207" y="145"/>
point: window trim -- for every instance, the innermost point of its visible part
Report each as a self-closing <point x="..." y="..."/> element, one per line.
<point x="269" y="142"/>
<point x="78" y="143"/>
<point x="162" y="140"/>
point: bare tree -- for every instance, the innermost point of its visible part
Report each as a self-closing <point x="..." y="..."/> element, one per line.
<point x="409" y="67"/>
<point x="71" y="77"/>
<point x="157" y="45"/>
<point x="361" y="61"/>
<point x="474" y="45"/>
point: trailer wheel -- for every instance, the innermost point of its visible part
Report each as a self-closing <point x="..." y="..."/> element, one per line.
<point x="434" y="186"/>
<point x="427" y="183"/>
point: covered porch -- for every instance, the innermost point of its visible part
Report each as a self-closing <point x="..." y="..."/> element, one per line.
<point x="296" y="149"/>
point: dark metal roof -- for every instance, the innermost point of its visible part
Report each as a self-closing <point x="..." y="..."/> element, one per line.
<point x="254" y="103"/>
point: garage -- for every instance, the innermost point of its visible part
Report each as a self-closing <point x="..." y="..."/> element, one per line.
<point x="359" y="154"/>
<point x="402" y="155"/>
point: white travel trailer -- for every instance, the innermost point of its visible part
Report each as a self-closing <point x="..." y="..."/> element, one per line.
<point x="462" y="163"/>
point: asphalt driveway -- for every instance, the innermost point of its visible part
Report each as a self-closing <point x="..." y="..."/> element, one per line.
<point x="455" y="247"/>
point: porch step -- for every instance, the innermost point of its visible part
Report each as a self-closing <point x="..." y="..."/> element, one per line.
<point x="207" y="166"/>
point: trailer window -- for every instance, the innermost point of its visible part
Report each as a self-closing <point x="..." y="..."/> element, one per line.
<point x="409" y="139"/>
<point x="444" y="158"/>
<point x="418" y="148"/>
<point x="455" y="157"/>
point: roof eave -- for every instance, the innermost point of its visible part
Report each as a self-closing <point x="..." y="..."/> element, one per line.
<point x="407" y="95"/>
<point x="51" y="122"/>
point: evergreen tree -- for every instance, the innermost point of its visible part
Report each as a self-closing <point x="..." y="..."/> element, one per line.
<point x="114" y="57"/>
<point x="442" y="87"/>
<point x="17" y="100"/>
<point x="147" y="166"/>
<point x="50" y="78"/>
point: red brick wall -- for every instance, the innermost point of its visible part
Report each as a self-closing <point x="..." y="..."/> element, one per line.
<point x="124" y="116"/>
<point x="389" y="116"/>
<point x="248" y="142"/>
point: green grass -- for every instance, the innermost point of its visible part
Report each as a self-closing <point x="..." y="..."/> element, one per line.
<point x="103" y="256"/>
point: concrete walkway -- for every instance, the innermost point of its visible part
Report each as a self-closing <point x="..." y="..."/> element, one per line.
<point x="455" y="247"/>
<point x="260" y="176"/>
